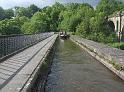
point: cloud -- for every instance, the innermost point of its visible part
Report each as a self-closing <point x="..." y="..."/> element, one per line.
<point x="91" y="2"/>
<point x="41" y="3"/>
<point x="25" y="3"/>
<point x="6" y="3"/>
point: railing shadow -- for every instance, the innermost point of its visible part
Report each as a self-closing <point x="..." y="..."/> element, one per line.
<point x="11" y="44"/>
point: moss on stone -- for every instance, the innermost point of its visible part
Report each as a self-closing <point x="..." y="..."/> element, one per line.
<point x="116" y="65"/>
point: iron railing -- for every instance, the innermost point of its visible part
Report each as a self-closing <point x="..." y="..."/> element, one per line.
<point x="13" y="43"/>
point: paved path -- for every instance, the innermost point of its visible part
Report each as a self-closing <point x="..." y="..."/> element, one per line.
<point x="15" y="71"/>
<point x="103" y="50"/>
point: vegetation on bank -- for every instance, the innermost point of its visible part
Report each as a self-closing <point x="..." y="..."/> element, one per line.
<point x="119" y="45"/>
<point x="80" y="19"/>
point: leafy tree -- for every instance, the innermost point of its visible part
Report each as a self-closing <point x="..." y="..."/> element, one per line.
<point x="12" y="26"/>
<point x="74" y="14"/>
<point x="8" y="27"/>
<point x="2" y="13"/>
<point x="109" y="6"/>
<point x="21" y="11"/>
<point x="54" y="16"/>
<point x="83" y="29"/>
<point x="100" y="30"/>
<point x="9" y="13"/>
<point x="37" y="24"/>
<point x="28" y="12"/>
<point x="81" y="19"/>
<point x="33" y="9"/>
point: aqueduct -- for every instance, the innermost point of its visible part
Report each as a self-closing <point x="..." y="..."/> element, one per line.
<point x="117" y="22"/>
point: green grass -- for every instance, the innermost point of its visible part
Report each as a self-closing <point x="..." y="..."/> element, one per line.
<point x="119" y="45"/>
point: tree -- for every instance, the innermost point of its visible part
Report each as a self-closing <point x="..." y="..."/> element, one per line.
<point x="21" y="11"/>
<point x="33" y="9"/>
<point x="54" y="15"/>
<point x="12" y="26"/>
<point x="37" y="24"/>
<point x="74" y="14"/>
<point x="81" y="19"/>
<point x="83" y="29"/>
<point x="8" y="27"/>
<point x="109" y="6"/>
<point x="28" y="12"/>
<point x="2" y="13"/>
<point x="100" y="30"/>
<point x="9" y="13"/>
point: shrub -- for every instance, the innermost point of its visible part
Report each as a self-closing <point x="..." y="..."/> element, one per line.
<point x="119" y="45"/>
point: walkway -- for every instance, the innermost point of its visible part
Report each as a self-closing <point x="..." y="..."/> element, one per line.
<point x="17" y="70"/>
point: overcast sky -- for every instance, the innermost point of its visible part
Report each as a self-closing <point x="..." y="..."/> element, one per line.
<point x="40" y="3"/>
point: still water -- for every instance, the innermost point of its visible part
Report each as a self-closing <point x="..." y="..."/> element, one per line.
<point x="74" y="70"/>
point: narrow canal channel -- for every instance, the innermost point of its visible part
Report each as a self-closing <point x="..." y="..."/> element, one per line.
<point x="74" y="70"/>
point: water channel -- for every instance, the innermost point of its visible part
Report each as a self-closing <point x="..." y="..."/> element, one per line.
<point x="74" y="70"/>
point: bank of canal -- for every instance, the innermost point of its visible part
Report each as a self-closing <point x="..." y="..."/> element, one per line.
<point x="74" y="70"/>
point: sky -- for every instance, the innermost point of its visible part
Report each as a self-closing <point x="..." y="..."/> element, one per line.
<point x="40" y="3"/>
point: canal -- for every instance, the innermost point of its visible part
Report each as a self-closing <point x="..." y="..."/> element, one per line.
<point x="74" y="70"/>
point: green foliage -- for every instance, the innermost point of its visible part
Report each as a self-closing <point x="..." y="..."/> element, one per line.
<point x="119" y="45"/>
<point x="37" y="24"/>
<point x="79" y="19"/>
<point x="109" y="6"/>
<point x="12" y="26"/>
<point x="33" y="9"/>
<point x="8" y="27"/>
<point x="53" y="15"/>
<point x="94" y="25"/>
<point x="46" y="20"/>
<point x="100" y="29"/>
<point x="21" y="11"/>
<point x="72" y="16"/>
<point x="28" y="12"/>
<point x="2" y="13"/>
<point x="83" y="29"/>
<point x="9" y="13"/>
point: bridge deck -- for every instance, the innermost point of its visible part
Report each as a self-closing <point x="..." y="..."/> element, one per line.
<point x="15" y="71"/>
